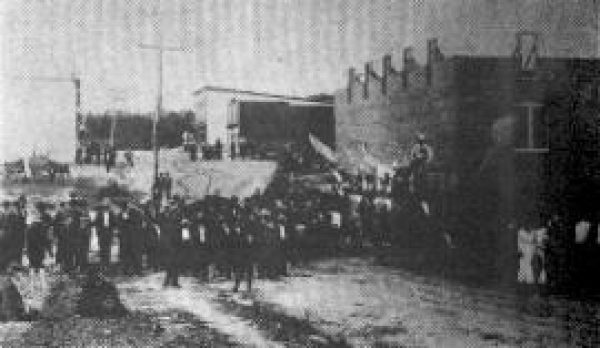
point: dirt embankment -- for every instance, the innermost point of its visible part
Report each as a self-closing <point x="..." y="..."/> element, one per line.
<point x="60" y="325"/>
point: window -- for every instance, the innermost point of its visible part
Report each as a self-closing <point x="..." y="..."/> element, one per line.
<point x="531" y="128"/>
<point x="233" y="115"/>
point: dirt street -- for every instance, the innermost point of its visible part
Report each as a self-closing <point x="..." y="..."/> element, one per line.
<point x="357" y="303"/>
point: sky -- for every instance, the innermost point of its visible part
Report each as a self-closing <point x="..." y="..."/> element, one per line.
<point x="293" y="47"/>
<point x="296" y="47"/>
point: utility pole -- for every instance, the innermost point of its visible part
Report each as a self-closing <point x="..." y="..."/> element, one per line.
<point x="160" y="49"/>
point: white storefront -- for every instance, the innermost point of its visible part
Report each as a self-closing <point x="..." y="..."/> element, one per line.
<point x="217" y="108"/>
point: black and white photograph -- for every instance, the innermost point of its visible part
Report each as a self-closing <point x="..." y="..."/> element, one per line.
<point x="300" y="173"/>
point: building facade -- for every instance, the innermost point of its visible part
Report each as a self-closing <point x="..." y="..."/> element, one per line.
<point x="471" y="109"/>
<point x="229" y="114"/>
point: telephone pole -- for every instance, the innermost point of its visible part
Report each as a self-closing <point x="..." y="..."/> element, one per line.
<point x="160" y="49"/>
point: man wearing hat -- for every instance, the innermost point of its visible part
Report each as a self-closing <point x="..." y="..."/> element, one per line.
<point x="171" y="242"/>
<point x="420" y="155"/>
<point x="242" y="256"/>
<point x="16" y="224"/>
<point x="130" y="224"/>
<point x="83" y="237"/>
<point x="71" y="237"/>
<point x="38" y="243"/>
<point x="105" y="224"/>
<point x="60" y="231"/>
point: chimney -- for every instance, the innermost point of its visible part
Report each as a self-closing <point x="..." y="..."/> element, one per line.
<point x="433" y="51"/>
<point x="385" y="72"/>
<point x="366" y="81"/>
<point x="408" y="58"/>
<point x="526" y="52"/>
<point x="408" y="63"/>
<point x="351" y="79"/>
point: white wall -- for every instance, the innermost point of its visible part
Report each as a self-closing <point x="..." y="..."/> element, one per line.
<point x="37" y="116"/>
<point x="216" y="109"/>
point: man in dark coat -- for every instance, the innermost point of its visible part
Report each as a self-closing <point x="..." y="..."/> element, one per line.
<point x="82" y="239"/>
<point x="127" y="226"/>
<point x="203" y="246"/>
<point x="107" y="158"/>
<point x="38" y="243"/>
<point x="69" y="237"/>
<point x="13" y="236"/>
<point x="171" y="244"/>
<point x="367" y="215"/>
<point x="168" y="185"/>
<point x="105" y="224"/>
<point x="242" y="257"/>
<point x="150" y="237"/>
<point x="60" y="231"/>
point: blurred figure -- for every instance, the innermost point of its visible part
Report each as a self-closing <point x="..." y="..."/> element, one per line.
<point x="171" y="244"/>
<point x="105" y="224"/>
<point x="12" y="236"/>
<point x="168" y="185"/>
<point x="131" y="242"/>
<point x="61" y="221"/>
<point x="242" y="262"/>
<point x="38" y="243"/>
<point x="421" y="154"/>
<point x="129" y="157"/>
<point x="83" y="237"/>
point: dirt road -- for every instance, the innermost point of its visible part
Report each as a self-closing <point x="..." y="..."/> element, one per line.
<point x="355" y="302"/>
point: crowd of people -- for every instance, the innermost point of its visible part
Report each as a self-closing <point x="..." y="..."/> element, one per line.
<point x="289" y="223"/>
<point x="260" y="235"/>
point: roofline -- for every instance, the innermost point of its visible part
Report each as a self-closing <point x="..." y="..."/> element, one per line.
<point x="241" y="91"/>
<point x="306" y="103"/>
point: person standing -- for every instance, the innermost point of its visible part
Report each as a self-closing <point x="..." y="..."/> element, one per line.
<point x="38" y="243"/>
<point x="107" y="158"/>
<point x="14" y="225"/>
<point x="71" y="238"/>
<point x="151" y="237"/>
<point x="124" y="226"/>
<point x="367" y="212"/>
<point x="171" y="242"/>
<point x="60" y="231"/>
<point x="105" y="224"/>
<point x="82" y="238"/>
<point x="219" y="149"/>
<point x="129" y="157"/>
<point x="242" y="260"/>
<point x="194" y="152"/>
<point x="112" y="156"/>
<point x="168" y="182"/>
<point x="421" y="154"/>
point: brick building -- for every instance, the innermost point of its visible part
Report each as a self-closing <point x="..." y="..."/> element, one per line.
<point x="515" y="137"/>
<point x="457" y="101"/>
